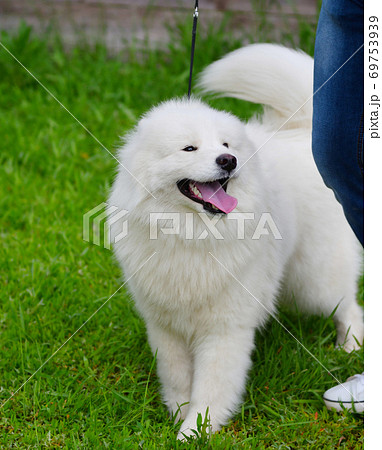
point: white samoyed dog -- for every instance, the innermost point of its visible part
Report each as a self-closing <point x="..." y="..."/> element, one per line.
<point x="223" y="217"/>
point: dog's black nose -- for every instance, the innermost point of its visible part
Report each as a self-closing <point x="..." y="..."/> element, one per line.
<point x="226" y="161"/>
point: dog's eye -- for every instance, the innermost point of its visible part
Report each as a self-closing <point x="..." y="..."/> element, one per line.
<point x="189" y="148"/>
<point x="225" y="144"/>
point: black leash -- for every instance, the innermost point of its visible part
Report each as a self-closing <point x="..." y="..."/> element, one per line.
<point x="196" y="14"/>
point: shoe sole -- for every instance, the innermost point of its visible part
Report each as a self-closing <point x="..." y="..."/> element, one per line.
<point x="357" y="407"/>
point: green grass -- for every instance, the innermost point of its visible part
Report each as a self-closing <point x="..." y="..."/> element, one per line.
<point x="101" y="388"/>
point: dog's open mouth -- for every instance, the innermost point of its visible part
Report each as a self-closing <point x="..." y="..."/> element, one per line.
<point x="212" y="195"/>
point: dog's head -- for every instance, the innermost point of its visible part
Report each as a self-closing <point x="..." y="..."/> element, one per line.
<point x="186" y="155"/>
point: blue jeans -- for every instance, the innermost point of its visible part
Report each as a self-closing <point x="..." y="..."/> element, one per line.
<point x="337" y="138"/>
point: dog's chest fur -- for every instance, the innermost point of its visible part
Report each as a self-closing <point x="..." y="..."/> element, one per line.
<point x="189" y="284"/>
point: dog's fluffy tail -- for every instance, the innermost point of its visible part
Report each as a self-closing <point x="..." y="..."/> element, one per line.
<point x="269" y="74"/>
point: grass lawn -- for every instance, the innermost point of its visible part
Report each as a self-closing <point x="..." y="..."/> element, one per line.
<point x="101" y="388"/>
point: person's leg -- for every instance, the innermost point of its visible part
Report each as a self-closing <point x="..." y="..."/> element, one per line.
<point x="337" y="138"/>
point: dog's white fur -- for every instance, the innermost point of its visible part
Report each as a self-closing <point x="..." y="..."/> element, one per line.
<point x="203" y="299"/>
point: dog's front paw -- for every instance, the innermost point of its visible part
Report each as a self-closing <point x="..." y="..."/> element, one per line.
<point x="185" y="433"/>
<point x="196" y="425"/>
<point x="179" y="412"/>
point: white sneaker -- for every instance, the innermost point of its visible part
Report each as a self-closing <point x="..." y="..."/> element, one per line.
<point x="348" y="395"/>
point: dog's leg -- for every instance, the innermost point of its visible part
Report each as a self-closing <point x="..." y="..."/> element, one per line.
<point x="322" y="280"/>
<point x="174" y="365"/>
<point x="348" y="315"/>
<point x="349" y="323"/>
<point x="221" y="362"/>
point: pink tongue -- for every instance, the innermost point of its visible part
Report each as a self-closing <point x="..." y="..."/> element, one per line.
<point x="215" y="194"/>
